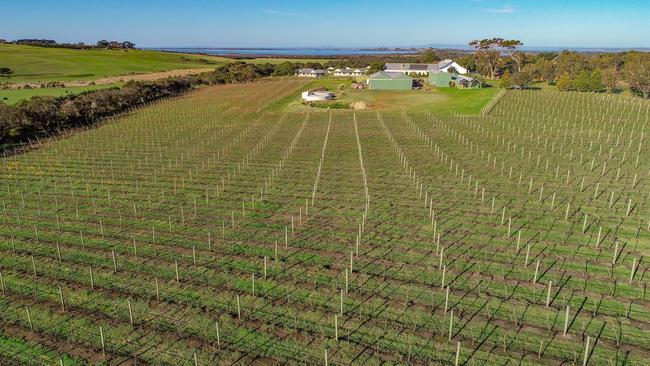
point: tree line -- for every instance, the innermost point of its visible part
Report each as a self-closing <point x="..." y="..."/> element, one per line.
<point x="41" y="117"/>
<point x="80" y="45"/>
<point x="497" y="58"/>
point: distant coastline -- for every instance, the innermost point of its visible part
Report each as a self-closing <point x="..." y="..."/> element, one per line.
<point x="303" y="52"/>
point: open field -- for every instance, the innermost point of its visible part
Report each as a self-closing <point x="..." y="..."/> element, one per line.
<point x="444" y="101"/>
<point x="217" y="228"/>
<point x="31" y="64"/>
<point x="40" y="64"/>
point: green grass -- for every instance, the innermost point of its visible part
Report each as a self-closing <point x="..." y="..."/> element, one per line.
<point x="444" y="101"/>
<point x="57" y="64"/>
<point x="15" y="96"/>
<point x="31" y="64"/>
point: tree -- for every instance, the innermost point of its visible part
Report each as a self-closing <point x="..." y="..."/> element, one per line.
<point x="512" y="46"/>
<point x="505" y="82"/>
<point x="102" y="44"/>
<point x="565" y="82"/>
<point x="521" y="79"/>
<point x="488" y="55"/>
<point x="376" y="66"/>
<point x="5" y="72"/>
<point x="452" y="70"/>
<point x="637" y="74"/>
<point x="610" y="79"/>
<point x="284" y="69"/>
<point x="430" y="56"/>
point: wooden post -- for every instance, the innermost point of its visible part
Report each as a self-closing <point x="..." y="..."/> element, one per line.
<point x="336" y="328"/>
<point x="2" y="283"/>
<point x="92" y="279"/>
<point x="457" y="353"/>
<point x="276" y="250"/>
<point x="351" y="260"/>
<point x="101" y="338"/>
<point x="632" y="270"/>
<point x="586" y="357"/>
<point x="196" y="361"/>
<point x="447" y="300"/>
<point x="444" y="270"/>
<point x="325" y="356"/>
<point x="114" y="261"/>
<point x="216" y="326"/>
<point x="536" y="272"/>
<point x="29" y="320"/>
<point x="566" y="320"/>
<point x="253" y="281"/>
<point x="238" y="308"/>
<point x="178" y="278"/>
<point x="61" y="298"/>
<point x="548" y="293"/>
<point x="128" y="303"/>
<point x="451" y="323"/>
<point x="346" y="281"/>
<point x="194" y="255"/>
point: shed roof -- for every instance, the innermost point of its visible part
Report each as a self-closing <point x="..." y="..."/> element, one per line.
<point x="389" y="75"/>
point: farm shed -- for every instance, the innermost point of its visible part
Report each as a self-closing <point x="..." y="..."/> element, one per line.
<point x="389" y="81"/>
<point x="447" y="80"/>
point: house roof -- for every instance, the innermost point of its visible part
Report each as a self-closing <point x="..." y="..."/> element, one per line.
<point x="308" y="70"/>
<point x="419" y="67"/>
<point x="389" y="75"/>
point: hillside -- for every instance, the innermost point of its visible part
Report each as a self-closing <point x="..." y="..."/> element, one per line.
<point x="59" y="64"/>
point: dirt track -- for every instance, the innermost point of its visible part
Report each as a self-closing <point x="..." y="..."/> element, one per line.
<point x="120" y="78"/>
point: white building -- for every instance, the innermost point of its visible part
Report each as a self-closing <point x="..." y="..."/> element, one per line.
<point x="310" y="73"/>
<point x="425" y="69"/>
<point x="346" y="71"/>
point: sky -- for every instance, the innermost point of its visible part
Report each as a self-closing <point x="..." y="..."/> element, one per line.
<point x="351" y="23"/>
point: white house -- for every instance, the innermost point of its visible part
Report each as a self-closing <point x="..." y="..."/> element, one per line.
<point x="310" y="73"/>
<point x="346" y="71"/>
<point x="425" y="69"/>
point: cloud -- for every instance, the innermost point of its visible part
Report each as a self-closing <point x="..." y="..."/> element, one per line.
<point x="506" y="9"/>
<point x="277" y="12"/>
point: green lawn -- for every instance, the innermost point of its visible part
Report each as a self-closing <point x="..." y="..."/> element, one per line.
<point x="14" y="96"/>
<point x="446" y="101"/>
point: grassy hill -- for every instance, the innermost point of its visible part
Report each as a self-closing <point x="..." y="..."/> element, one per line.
<point x="57" y="64"/>
<point x="32" y="64"/>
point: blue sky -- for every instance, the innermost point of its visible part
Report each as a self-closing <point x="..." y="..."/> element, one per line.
<point x="256" y="23"/>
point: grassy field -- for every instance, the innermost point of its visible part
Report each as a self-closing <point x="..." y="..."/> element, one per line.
<point x="223" y="228"/>
<point x="35" y="64"/>
<point x="445" y="101"/>
<point x="14" y="96"/>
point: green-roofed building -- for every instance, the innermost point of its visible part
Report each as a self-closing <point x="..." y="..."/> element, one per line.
<point x="447" y="80"/>
<point x="389" y="81"/>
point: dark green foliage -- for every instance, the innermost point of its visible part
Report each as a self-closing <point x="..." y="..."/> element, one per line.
<point x="376" y="66"/>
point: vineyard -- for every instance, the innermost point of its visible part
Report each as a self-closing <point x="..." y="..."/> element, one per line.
<point x="209" y="229"/>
